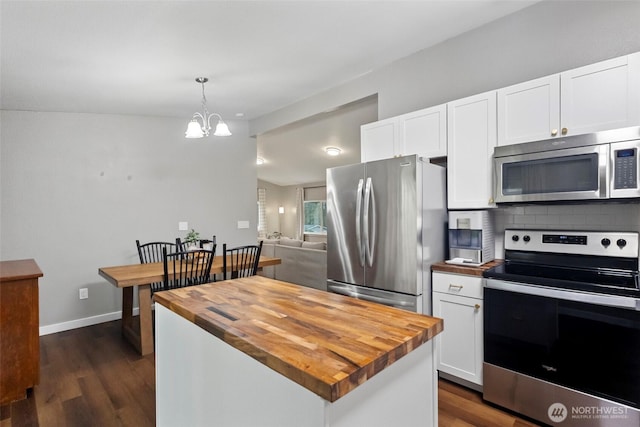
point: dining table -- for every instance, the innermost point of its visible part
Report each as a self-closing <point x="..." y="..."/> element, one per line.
<point x="141" y="276"/>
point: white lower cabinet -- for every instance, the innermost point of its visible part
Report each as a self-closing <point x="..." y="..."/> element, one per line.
<point x="459" y="348"/>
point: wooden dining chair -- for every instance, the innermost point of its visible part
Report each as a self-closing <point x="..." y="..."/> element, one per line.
<point x="241" y="261"/>
<point x="154" y="252"/>
<point x="186" y="268"/>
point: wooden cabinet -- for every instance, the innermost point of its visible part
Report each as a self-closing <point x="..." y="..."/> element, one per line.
<point x="19" y="329"/>
<point x="459" y="348"/>
<point x="471" y="129"/>
<point x="422" y="132"/>
<point x="596" y="97"/>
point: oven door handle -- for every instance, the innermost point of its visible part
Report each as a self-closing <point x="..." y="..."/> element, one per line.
<point x="589" y="298"/>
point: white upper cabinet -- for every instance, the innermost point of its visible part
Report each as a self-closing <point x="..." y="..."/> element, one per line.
<point x="596" y="97"/>
<point x="529" y="111"/>
<point x="378" y="140"/>
<point x="471" y="140"/>
<point x="422" y="132"/>
<point x="601" y="96"/>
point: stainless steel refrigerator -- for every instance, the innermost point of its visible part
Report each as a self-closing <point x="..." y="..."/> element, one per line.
<point x="386" y="223"/>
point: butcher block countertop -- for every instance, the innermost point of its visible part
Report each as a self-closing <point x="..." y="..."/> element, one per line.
<point x="325" y="342"/>
<point x="443" y="267"/>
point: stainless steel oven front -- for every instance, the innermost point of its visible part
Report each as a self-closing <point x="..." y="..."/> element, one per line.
<point x="547" y="349"/>
<point x="562" y="328"/>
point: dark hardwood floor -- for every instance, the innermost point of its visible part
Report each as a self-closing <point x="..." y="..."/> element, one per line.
<point x="92" y="377"/>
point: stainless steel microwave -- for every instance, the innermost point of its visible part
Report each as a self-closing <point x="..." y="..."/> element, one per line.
<point x="594" y="166"/>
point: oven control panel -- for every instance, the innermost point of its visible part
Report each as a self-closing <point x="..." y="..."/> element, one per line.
<point x="600" y="243"/>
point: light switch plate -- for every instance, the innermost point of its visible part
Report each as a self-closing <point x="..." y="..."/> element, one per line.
<point x="183" y="226"/>
<point x="243" y="224"/>
<point x="83" y="293"/>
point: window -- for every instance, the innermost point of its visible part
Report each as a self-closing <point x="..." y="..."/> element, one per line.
<point x="315" y="216"/>
<point x="262" y="212"/>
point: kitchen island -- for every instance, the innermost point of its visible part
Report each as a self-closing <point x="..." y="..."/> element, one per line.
<point x="261" y="352"/>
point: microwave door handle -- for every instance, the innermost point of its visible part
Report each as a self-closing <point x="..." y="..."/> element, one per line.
<point x="605" y="170"/>
<point x="359" y="222"/>
<point x="369" y="204"/>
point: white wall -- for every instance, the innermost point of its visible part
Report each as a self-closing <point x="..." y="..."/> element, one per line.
<point x="599" y="216"/>
<point x="546" y="38"/>
<point x="79" y="189"/>
<point x="275" y="199"/>
<point x="288" y="202"/>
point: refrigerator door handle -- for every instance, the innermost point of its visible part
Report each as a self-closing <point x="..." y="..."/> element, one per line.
<point x="358" y="222"/>
<point x="369" y="203"/>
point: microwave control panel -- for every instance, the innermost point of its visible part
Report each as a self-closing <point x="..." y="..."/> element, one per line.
<point x="626" y="167"/>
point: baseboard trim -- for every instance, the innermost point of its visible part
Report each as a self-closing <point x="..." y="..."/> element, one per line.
<point x="80" y="323"/>
<point x="460" y="381"/>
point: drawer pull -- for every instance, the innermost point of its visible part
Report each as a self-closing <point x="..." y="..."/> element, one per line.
<point x="457" y="287"/>
<point x="477" y="306"/>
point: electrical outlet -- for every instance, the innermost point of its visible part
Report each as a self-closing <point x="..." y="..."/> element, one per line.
<point x="84" y="293"/>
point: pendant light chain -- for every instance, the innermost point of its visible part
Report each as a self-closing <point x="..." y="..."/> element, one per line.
<point x="204" y="101"/>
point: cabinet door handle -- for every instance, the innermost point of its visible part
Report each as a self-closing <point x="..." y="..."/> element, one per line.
<point x="554" y="132"/>
<point x="565" y="131"/>
<point x="477" y="306"/>
<point x="458" y="287"/>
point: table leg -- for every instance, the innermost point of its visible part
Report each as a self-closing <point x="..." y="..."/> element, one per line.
<point x="141" y="339"/>
<point x="146" y="327"/>
<point x="127" y="309"/>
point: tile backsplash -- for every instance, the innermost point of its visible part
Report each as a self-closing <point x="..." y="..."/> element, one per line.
<point x="606" y="217"/>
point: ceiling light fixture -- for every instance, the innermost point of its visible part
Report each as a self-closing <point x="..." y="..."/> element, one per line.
<point x="333" y="151"/>
<point x="195" y="130"/>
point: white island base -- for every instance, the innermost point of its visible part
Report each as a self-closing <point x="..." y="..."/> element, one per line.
<point x="203" y="381"/>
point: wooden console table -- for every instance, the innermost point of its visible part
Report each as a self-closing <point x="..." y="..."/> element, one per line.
<point x="19" y="329"/>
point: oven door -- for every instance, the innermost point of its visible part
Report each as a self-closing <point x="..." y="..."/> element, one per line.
<point x="585" y="342"/>
<point x="567" y="174"/>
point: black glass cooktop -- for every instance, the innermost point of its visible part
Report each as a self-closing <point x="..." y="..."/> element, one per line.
<point x="582" y="274"/>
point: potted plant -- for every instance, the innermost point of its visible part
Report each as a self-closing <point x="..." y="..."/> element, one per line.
<point x="191" y="239"/>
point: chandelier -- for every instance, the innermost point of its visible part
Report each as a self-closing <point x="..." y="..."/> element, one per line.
<point x="195" y="129"/>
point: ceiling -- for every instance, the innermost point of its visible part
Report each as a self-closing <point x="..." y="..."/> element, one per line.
<point x="296" y="154"/>
<point x="141" y="57"/>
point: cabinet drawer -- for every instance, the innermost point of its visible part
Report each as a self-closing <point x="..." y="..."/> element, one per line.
<point x="457" y="284"/>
